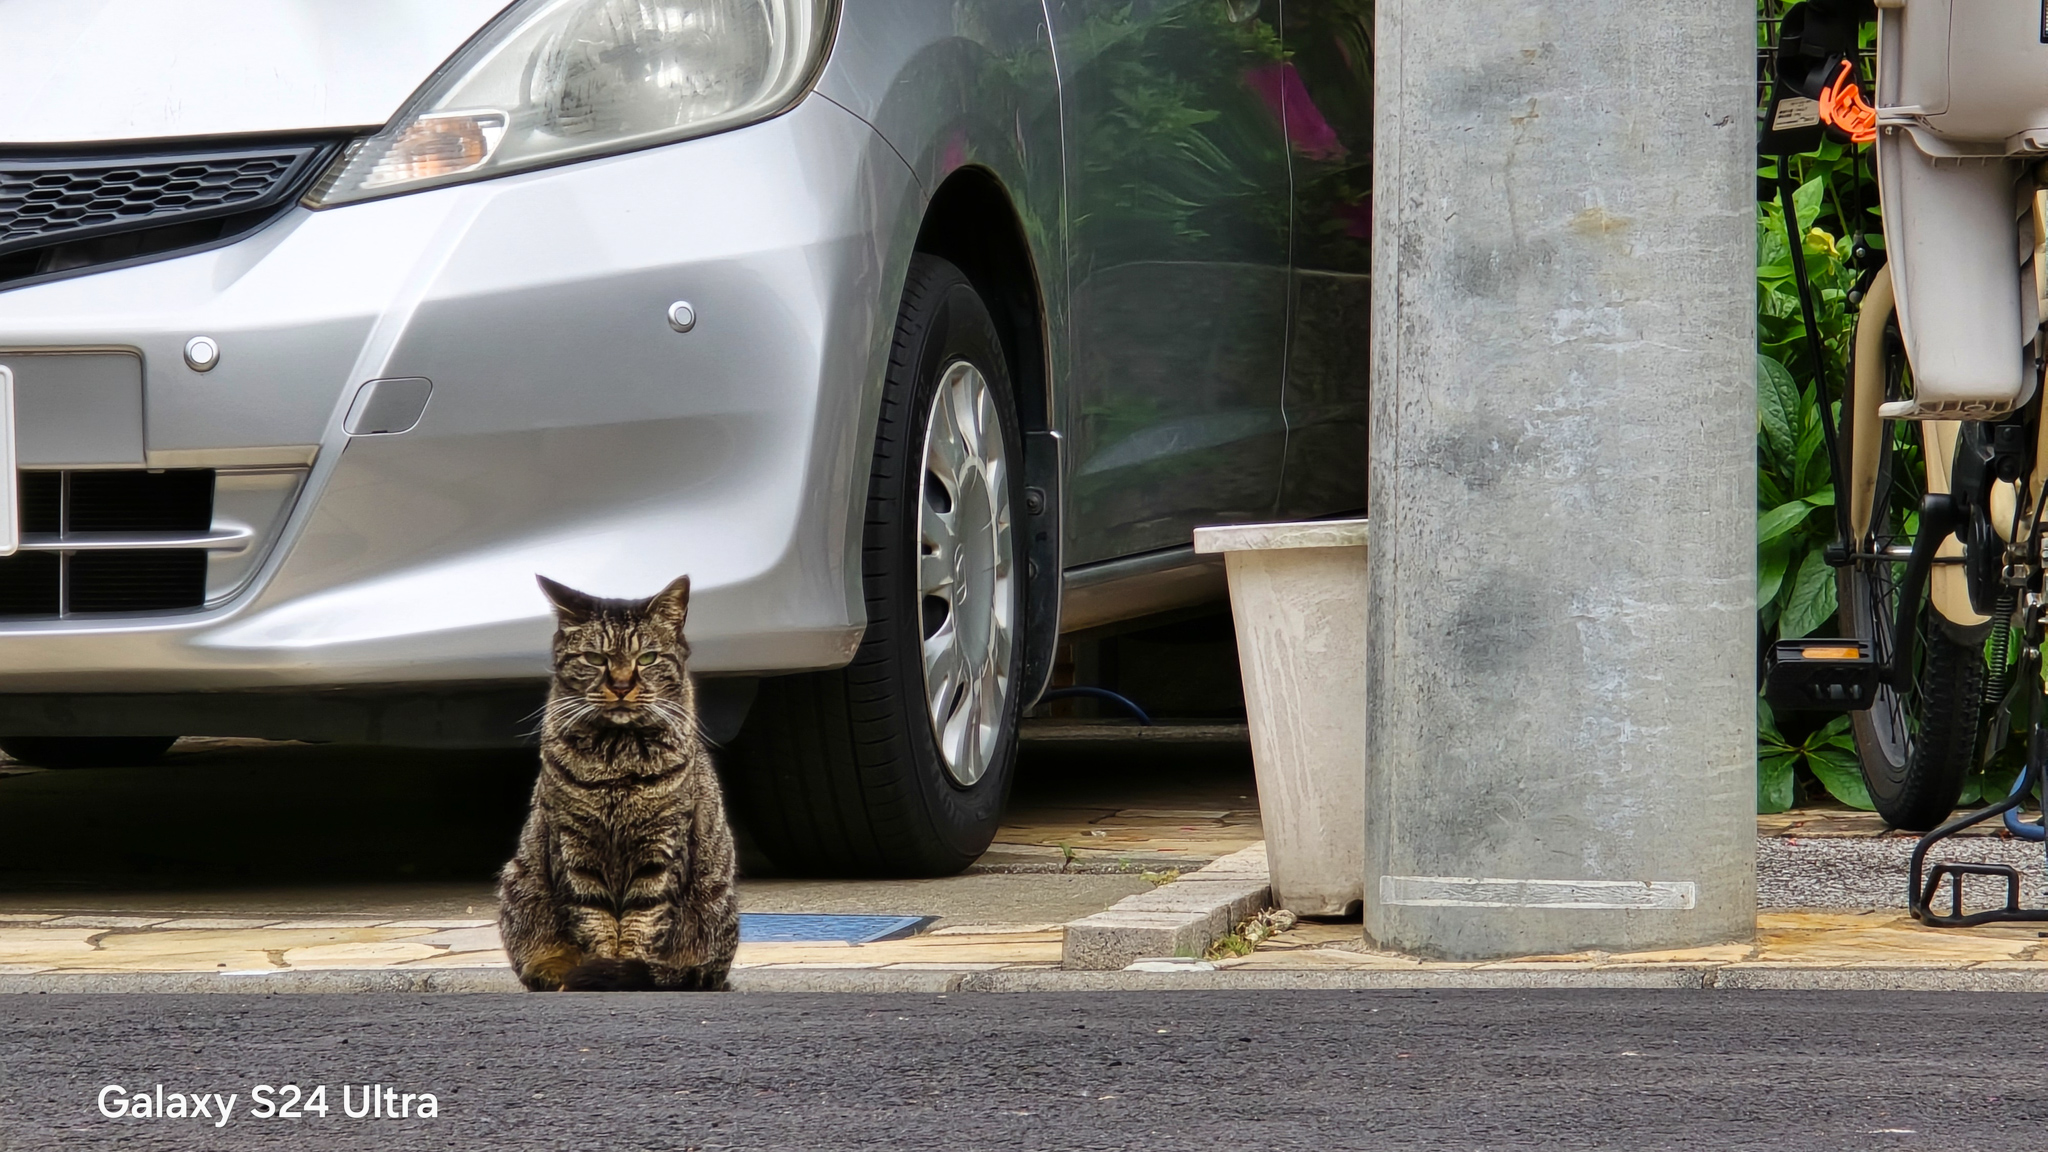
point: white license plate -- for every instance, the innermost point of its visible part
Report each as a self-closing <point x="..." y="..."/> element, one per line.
<point x="77" y="409"/>
<point x="10" y="479"/>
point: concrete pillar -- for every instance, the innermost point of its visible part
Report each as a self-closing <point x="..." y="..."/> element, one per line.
<point x="1562" y="661"/>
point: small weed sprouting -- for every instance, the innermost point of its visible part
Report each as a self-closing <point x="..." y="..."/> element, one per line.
<point x="1249" y="935"/>
<point x="1157" y="878"/>
<point x="1234" y="944"/>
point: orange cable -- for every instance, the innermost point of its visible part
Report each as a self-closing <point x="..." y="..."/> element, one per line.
<point x="1841" y="105"/>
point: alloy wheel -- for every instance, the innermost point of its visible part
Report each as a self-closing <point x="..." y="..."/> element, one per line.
<point x="966" y="573"/>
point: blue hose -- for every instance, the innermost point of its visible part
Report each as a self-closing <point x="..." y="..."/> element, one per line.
<point x="2017" y="826"/>
<point x="1100" y="694"/>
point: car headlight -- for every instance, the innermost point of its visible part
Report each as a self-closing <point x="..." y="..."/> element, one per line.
<point x="557" y="80"/>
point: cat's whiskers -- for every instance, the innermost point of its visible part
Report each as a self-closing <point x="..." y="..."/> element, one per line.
<point x="564" y="707"/>
<point x="693" y="720"/>
<point x="686" y="719"/>
<point x="564" y="712"/>
<point x="679" y="719"/>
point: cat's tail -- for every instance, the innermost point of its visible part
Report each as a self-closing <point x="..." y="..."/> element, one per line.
<point x="606" y="974"/>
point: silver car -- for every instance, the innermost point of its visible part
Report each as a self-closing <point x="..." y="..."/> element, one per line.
<point x="918" y="333"/>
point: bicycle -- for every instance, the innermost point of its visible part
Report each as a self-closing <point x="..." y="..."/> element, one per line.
<point x="1939" y="564"/>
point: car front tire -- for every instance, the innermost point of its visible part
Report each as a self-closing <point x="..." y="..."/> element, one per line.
<point x="899" y="764"/>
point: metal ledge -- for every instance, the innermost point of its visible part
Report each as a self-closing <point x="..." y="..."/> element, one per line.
<point x="1137" y="586"/>
<point x="219" y="540"/>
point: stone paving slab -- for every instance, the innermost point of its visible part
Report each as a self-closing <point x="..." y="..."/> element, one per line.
<point x="54" y="946"/>
<point x="1041" y="947"/>
<point x="106" y="921"/>
<point x="1182" y="918"/>
<point x="1068" y="836"/>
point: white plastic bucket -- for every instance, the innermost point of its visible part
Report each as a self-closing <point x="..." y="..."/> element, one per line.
<point x="1297" y="594"/>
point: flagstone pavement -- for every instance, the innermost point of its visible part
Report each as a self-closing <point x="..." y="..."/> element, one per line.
<point x="1832" y="899"/>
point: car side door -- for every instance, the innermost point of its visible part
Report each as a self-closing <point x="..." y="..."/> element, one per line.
<point x="1178" y="229"/>
<point x="1326" y="89"/>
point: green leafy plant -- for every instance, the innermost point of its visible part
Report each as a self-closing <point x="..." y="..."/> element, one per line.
<point x="1796" y="592"/>
<point x="1795" y="491"/>
<point x="1835" y="210"/>
<point x="1827" y="753"/>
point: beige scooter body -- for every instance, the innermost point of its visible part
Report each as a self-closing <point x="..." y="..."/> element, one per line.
<point x="1947" y="584"/>
<point x="1962" y="114"/>
<point x="1938" y="448"/>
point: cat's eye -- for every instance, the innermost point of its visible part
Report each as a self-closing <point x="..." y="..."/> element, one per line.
<point x="647" y="658"/>
<point x="594" y="659"/>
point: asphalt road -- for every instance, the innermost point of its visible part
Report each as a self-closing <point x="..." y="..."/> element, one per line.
<point x="1207" y="1071"/>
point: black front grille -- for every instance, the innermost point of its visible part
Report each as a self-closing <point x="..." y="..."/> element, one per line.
<point x="177" y="501"/>
<point x="41" y="199"/>
<point x="28" y="584"/>
<point x="135" y="580"/>
<point x="42" y="502"/>
<point x="46" y="579"/>
<point x="63" y="213"/>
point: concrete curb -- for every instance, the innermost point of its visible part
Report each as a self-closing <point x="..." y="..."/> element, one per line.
<point x="1742" y="977"/>
<point x="495" y="979"/>
<point x="1182" y="918"/>
<point x="864" y="981"/>
<point x="1280" y="979"/>
<point x="860" y="980"/>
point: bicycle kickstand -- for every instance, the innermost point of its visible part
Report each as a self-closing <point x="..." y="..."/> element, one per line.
<point x="1920" y="896"/>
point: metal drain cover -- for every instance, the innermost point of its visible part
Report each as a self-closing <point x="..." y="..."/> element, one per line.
<point x="776" y="928"/>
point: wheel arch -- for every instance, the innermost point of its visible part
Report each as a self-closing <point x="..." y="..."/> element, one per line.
<point x="972" y="222"/>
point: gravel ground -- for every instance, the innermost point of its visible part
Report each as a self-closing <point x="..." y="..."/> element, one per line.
<point x="1856" y="873"/>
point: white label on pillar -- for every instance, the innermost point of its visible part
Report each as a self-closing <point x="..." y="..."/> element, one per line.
<point x="1491" y="892"/>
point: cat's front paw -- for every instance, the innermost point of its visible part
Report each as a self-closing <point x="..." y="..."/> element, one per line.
<point x="549" y="971"/>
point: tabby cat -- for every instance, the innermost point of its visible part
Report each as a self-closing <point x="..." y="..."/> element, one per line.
<point x="624" y="874"/>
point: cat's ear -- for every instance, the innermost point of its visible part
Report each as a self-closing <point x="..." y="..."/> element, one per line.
<point x="671" y="605"/>
<point x="571" y="606"/>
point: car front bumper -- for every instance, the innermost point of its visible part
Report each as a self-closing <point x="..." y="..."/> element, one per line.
<point x="571" y="429"/>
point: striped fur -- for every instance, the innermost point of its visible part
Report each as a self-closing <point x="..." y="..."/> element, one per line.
<point x="624" y="873"/>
